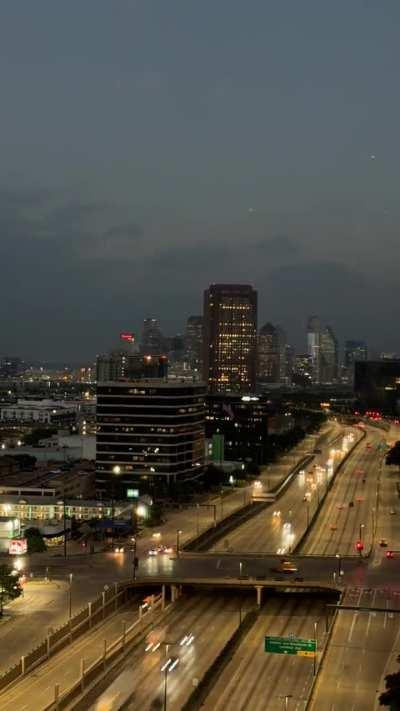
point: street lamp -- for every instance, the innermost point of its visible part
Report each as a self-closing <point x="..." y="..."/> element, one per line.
<point x="71" y="575"/>
<point x="362" y="525"/>
<point x="339" y="560"/>
<point x="178" y="533"/>
<point x="315" y="652"/>
<point x="135" y="560"/>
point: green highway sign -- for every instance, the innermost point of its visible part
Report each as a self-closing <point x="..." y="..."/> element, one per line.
<point x="291" y="645"/>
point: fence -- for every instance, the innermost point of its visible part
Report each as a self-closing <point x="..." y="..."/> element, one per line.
<point x="90" y="676"/>
<point x="92" y="614"/>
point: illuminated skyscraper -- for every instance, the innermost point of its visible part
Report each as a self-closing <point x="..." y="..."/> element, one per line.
<point x="152" y="341"/>
<point x="314" y="347"/>
<point x="230" y="338"/>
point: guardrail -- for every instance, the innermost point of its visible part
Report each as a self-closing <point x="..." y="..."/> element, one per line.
<point x="90" y="676"/>
<point x="314" y="516"/>
<point x="96" y="611"/>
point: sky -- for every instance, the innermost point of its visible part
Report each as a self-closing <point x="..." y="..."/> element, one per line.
<point x="151" y="147"/>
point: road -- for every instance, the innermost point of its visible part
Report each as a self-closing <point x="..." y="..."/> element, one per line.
<point x="27" y="619"/>
<point x="357" y="656"/>
<point x="45" y="606"/>
<point x="36" y="691"/>
<point x="256" y="680"/>
<point x="278" y="528"/>
<point x="211" y="620"/>
<point x="339" y="525"/>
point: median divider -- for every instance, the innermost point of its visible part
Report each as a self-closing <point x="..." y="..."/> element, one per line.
<point x="328" y="638"/>
<point x="92" y="614"/>
<point x="314" y="516"/>
<point x="207" y="538"/>
<point x="200" y="692"/>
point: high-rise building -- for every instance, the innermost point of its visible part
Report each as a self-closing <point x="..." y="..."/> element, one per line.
<point x="354" y="350"/>
<point x="152" y="341"/>
<point x="328" y="353"/>
<point x="230" y="338"/>
<point x="121" y="365"/>
<point x="194" y="342"/>
<point x="271" y="354"/>
<point x="377" y="385"/>
<point x="149" y="433"/>
<point x="313" y="347"/>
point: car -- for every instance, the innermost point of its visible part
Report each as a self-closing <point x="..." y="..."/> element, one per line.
<point x="389" y="554"/>
<point x="333" y="527"/>
<point x="153" y="551"/>
<point x="392" y="512"/>
<point x="276" y="514"/>
<point x="119" y="549"/>
<point x="285" y="566"/>
<point x="340" y="507"/>
<point x="351" y="504"/>
<point x="168" y="550"/>
<point x="383" y="542"/>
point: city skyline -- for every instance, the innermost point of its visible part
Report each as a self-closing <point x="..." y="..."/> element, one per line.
<point x="168" y="152"/>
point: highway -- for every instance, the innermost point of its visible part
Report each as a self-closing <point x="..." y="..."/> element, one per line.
<point x="339" y="524"/>
<point x="36" y="690"/>
<point x="256" y="680"/>
<point x="211" y="620"/>
<point x="46" y="605"/>
<point x="356" y="659"/>
<point x="278" y="528"/>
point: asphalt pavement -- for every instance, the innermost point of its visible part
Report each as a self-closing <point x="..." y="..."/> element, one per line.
<point x="257" y="680"/>
<point x="356" y="660"/>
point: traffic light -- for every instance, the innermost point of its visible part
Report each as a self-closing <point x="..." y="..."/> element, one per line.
<point x="389" y="554"/>
<point x="359" y="546"/>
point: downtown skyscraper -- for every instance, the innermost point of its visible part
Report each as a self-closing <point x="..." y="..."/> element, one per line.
<point x="230" y="338"/>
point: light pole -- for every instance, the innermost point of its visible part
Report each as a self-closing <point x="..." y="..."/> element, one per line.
<point x="361" y="529"/>
<point x="71" y="575"/>
<point x="178" y="534"/>
<point x="134" y="557"/>
<point x="197" y="519"/>
<point x="315" y="652"/>
<point x="339" y="561"/>
<point x="240" y="592"/>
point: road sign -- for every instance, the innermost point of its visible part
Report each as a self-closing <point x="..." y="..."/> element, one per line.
<point x="291" y="645"/>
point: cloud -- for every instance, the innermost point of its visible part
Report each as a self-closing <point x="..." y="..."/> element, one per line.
<point x="280" y="246"/>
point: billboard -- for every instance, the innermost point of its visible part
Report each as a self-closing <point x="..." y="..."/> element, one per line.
<point x="127" y="336"/>
<point x="18" y="546"/>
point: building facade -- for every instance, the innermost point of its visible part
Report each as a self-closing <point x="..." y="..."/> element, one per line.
<point x="314" y="347"/>
<point x="271" y="352"/>
<point x="149" y="433"/>
<point x="122" y="365"/>
<point x="152" y="340"/>
<point x="353" y="351"/>
<point x="242" y="421"/>
<point x="329" y="360"/>
<point x="230" y="338"/>
<point x="377" y="385"/>
<point x="194" y="342"/>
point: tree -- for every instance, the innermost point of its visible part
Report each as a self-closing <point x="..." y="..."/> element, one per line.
<point x="10" y="587"/>
<point x="391" y="697"/>
<point x="393" y="456"/>
<point x="35" y="540"/>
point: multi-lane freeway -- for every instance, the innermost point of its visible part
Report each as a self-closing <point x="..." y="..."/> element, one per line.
<point x="338" y="525"/>
<point x="254" y="679"/>
<point x="361" y="644"/>
<point x="192" y="636"/>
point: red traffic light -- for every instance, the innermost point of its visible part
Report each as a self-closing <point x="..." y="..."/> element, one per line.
<point x="360" y="545"/>
<point x="389" y="554"/>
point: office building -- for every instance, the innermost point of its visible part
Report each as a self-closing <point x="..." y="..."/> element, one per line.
<point x="194" y="342"/>
<point x="271" y="363"/>
<point x="230" y="338"/>
<point x="152" y="340"/>
<point x="149" y="433"/>
<point x="328" y="354"/>
<point x="122" y="365"/>
<point x="354" y="350"/>
<point x="241" y="423"/>
<point x="377" y="385"/>
<point x="314" y="347"/>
